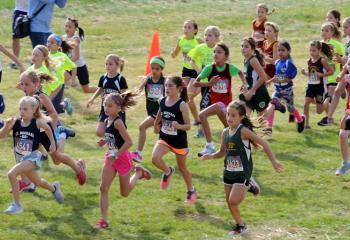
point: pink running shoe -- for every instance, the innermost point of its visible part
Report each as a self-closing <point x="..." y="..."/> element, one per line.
<point x="146" y="174"/>
<point x="25" y="186"/>
<point x="101" y="224"/>
<point x="136" y="157"/>
<point x="164" y="182"/>
<point x="191" y="196"/>
<point x="81" y="176"/>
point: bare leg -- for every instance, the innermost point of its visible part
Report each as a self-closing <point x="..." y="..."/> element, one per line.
<point x="335" y="100"/>
<point x="127" y="184"/>
<point x="159" y="151"/>
<point x="181" y="163"/>
<point x="234" y="196"/>
<point x="203" y="116"/>
<point x="88" y="89"/>
<point x="107" y="177"/>
<point x="16" y="46"/>
<point x="147" y="123"/>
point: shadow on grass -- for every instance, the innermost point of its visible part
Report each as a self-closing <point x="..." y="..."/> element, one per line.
<point x="202" y="215"/>
<point x="292" y="157"/>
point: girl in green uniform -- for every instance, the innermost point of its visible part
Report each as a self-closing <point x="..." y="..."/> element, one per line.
<point x="154" y="90"/>
<point x="236" y="143"/>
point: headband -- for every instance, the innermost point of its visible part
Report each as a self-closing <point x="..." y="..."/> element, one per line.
<point x="156" y="60"/>
<point x="57" y="38"/>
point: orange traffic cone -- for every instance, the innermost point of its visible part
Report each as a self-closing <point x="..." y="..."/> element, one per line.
<point x="154" y="51"/>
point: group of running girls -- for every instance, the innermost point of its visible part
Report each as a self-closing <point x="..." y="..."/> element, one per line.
<point x="38" y="131"/>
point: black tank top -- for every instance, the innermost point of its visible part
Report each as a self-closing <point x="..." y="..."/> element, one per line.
<point x="112" y="135"/>
<point x="313" y="68"/>
<point x="154" y="92"/>
<point x="25" y="139"/>
<point x="174" y="137"/>
<point x="38" y="93"/>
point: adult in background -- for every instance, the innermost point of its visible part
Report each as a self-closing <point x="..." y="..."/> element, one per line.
<point x="40" y="25"/>
<point x="21" y="8"/>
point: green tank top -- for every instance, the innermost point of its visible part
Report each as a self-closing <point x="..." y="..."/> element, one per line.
<point x="238" y="161"/>
<point x="185" y="46"/>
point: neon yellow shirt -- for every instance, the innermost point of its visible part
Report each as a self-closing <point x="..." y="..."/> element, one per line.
<point x="185" y="46"/>
<point x="338" y="47"/>
<point x="47" y="87"/>
<point x="202" y="55"/>
<point x="61" y="63"/>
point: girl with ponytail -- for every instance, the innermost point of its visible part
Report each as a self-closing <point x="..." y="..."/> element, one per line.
<point x="235" y="147"/>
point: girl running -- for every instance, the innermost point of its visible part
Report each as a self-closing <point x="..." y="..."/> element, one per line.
<point x="201" y="56"/>
<point x="269" y="48"/>
<point x="286" y="71"/>
<point x="31" y="84"/>
<point x="112" y="81"/>
<point x="187" y="42"/>
<point x="58" y="50"/>
<point x="344" y="131"/>
<point x="154" y="91"/>
<point x="118" y="158"/>
<point x="171" y="123"/>
<point x="258" y="23"/>
<point x="329" y="34"/>
<point x="318" y="71"/>
<point x="75" y="36"/>
<point x="236" y="142"/>
<point x="26" y="138"/>
<point x="254" y="93"/>
<point x="220" y="76"/>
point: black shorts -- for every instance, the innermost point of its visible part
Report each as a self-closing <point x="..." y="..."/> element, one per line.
<point x="45" y="141"/>
<point x="316" y="91"/>
<point x="191" y="73"/>
<point x="332" y="84"/>
<point x="347" y="124"/>
<point x="56" y="101"/>
<point x="102" y="116"/>
<point x="239" y="180"/>
<point x="206" y="99"/>
<point x="83" y="75"/>
<point x="16" y="14"/>
<point x="0" y="75"/>
<point x="260" y="101"/>
<point x="152" y="114"/>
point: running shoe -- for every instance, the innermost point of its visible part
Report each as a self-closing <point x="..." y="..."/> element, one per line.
<point x="13" y="66"/>
<point x="199" y="133"/>
<point x="68" y="131"/>
<point x="146" y="174"/>
<point x="68" y="106"/>
<point x="81" y="176"/>
<point x="206" y="150"/>
<point x="14" y="208"/>
<point x="325" y="122"/>
<point x="101" y="224"/>
<point x="2" y="104"/>
<point x="136" y="157"/>
<point x="239" y="230"/>
<point x="164" y="182"/>
<point x="345" y="167"/>
<point x="301" y="125"/>
<point x="191" y="196"/>
<point x="254" y="187"/>
<point x="267" y="131"/>
<point x="57" y="194"/>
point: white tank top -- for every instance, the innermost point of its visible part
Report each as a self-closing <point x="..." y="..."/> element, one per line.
<point x="81" y="61"/>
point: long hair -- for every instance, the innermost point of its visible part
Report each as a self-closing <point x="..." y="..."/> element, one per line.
<point x="179" y="84"/>
<point x="118" y="60"/>
<point x="124" y="100"/>
<point x="34" y="102"/>
<point x="36" y="77"/>
<point x="43" y="49"/>
<point x="257" y="53"/>
<point x="76" y="24"/>
<point x="194" y="24"/>
<point x="324" y="47"/>
<point x="334" y="29"/>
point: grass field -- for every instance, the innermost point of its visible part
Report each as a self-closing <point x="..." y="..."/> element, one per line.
<point x="306" y="201"/>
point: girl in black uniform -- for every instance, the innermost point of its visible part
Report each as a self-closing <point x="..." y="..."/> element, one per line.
<point x="110" y="82"/>
<point x="26" y="140"/>
<point x="171" y="123"/>
<point x="154" y="90"/>
<point x="118" y="159"/>
<point x="31" y="85"/>
<point x="238" y="166"/>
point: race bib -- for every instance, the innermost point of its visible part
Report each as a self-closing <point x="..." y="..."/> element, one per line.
<point x="110" y="141"/>
<point x="313" y="79"/>
<point x="221" y="86"/>
<point x="234" y="164"/>
<point x="154" y="91"/>
<point x="167" y="128"/>
<point x="23" y="146"/>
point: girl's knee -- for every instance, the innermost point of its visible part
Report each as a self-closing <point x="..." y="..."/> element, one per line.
<point x="343" y="134"/>
<point x="11" y="174"/>
<point x="124" y="193"/>
<point x="103" y="189"/>
<point x="233" y="202"/>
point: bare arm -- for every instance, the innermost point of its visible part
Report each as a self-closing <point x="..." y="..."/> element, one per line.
<point x="329" y="70"/>
<point x="157" y="122"/>
<point x="274" y="55"/>
<point x="96" y="94"/>
<point x="12" y="57"/>
<point x="119" y="125"/>
<point x="5" y="130"/>
<point x="46" y="103"/>
<point x="143" y="84"/>
<point x="186" y="117"/>
<point x="41" y="123"/>
<point x="246" y="134"/>
<point x="176" y="50"/>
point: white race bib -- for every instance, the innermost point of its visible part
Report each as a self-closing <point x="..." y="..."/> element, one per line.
<point x="313" y="79"/>
<point x="167" y="128"/>
<point x="221" y="86"/>
<point x="234" y="164"/>
<point x="24" y="146"/>
<point x="154" y="91"/>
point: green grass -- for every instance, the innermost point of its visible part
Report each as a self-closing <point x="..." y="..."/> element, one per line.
<point x="306" y="201"/>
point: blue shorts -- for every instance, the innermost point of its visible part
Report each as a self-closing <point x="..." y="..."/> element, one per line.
<point x="34" y="156"/>
<point x="39" y="38"/>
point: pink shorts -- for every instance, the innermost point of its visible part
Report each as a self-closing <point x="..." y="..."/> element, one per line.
<point x="122" y="165"/>
<point x="222" y="106"/>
